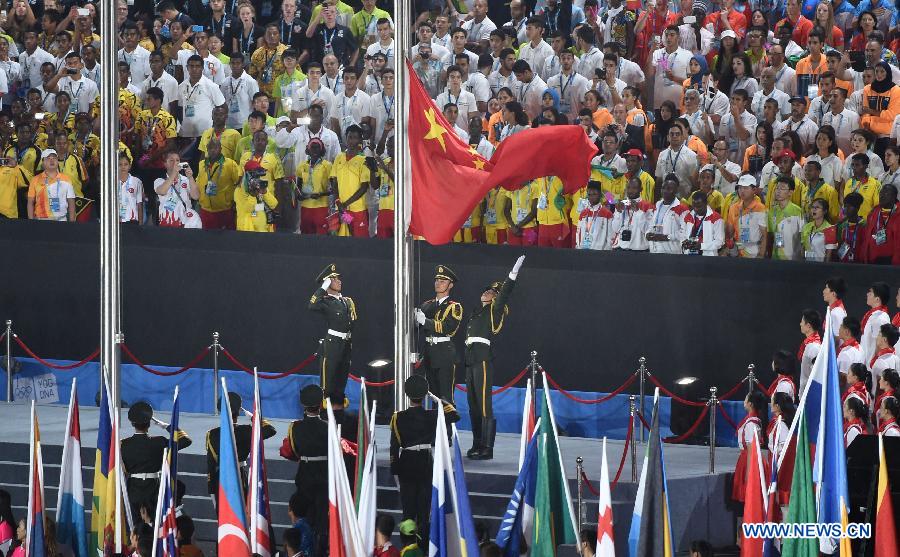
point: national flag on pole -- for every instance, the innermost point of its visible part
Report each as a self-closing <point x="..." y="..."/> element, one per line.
<point x="34" y="525"/>
<point x="772" y="546"/>
<point x="344" y="537"/>
<point x="469" y="542"/>
<point x="650" y="534"/>
<point x="363" y="439"/>
<point x="70" y="527"/>
<point x="821" y="404"/>
<point x="164" y="527"/>
<point x="367" y="480"/>
<point x="174" y="436"/>
<point x="554" y="518"/>
<point x="449" y="177"/>
<point x="886" y="543"/>
<point x="519" y="518"/>
<point x="528" y="421"/>
<point x="232" y="533"/>
<point x="258" y="492"/>
<point x="106" y="497"/>
<point x="605" y="541"/>
<point x="754" y="500"/>
<point x="802" y="507"/>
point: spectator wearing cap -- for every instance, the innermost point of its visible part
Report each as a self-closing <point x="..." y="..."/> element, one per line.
<point x="410" y="540"/>
<point x="800" y="123"/>
<point x="784" y="221"/>
<point x="50" y="193"/>
<point x="664" y="232"/>
<point x="745" y="226"/>
<point x="881" y="241"/>
<point x="634" y="160"/>
<point x="714" y="198"/>
<point x="861" y="182"/>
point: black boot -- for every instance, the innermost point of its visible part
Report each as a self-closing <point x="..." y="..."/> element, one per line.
<point x="489" y="432"/>
<point x="477" y="443"/>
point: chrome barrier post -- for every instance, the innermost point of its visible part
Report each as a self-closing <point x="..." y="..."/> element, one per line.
<point x="712" y="404"/>
<point x="215" y="348"/>
<point x="579" y="472"/>
<point x="9" y="360"/>
<point x="643" y="371"/>
<point x="632" y="408"/>
<point x="751" y="378"/>
<point x="533" y="366"/>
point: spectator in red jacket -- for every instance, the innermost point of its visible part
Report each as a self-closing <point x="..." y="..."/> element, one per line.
<point x="881" y="241"/>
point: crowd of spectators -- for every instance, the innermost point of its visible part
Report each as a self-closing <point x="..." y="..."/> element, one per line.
<point x="723" y="128"/>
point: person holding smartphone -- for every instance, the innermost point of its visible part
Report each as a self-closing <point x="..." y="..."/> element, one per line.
<point x="82" y="91"/>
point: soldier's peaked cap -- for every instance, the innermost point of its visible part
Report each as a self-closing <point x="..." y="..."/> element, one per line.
<point x="445" y="272"/>
<point x="330" y="271"/>
<point x="311" y="396"/>
<point x="416" y="387"/>
<point x="140" y="413"/>
<point x="495" y="286"/>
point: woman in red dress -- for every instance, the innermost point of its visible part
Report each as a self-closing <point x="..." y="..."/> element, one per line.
<point x="754" y="424"/>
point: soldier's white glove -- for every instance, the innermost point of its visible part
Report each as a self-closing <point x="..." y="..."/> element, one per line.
<point x="515" y="270"/>
<point x="420" y="316"/>
<point x="325" y="284"/>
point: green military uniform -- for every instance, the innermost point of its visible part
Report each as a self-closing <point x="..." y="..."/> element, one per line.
<point x="142" y="458"/>
<point x="485" y="323"/>
<point x="442" y="319"/>
<point x="412" y="438"/>
<point x="340" y="314"/>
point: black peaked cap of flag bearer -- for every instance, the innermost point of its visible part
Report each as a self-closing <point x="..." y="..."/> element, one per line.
<point x="311" y="396"/>
<point x="445" y="272"/>
<point x="416" y="387"/>
<point x="330" y="271"/>
<point x="235" y="401"/>
<point x="495" y="286"/>
<point x="140" y="413"/>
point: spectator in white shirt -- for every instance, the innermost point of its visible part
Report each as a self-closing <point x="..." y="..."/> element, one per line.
<point x="425" y="34"/>
<point x="385" y="42"/>
<point x="479" y="27"/>
<point x="738" y="126"/>
<point x="352" y="107"/>
<point x="136" y="56"/>
<point x="81" y="90"/>
<point x="477" y="83"/>
<point x="626" y="70"/>
<point x="163" y="80"/>
<point x="383" y="103"/>
<point x="529" y="89"/>
<point x="841" y="119"/>
<point x="680" y="160"/>
<point x="297" y="138"/>
<point x="570" y="85"/>
<point x="459" y="46"/>
<point x="197" y="96"/>
<point x="536" y="51"/>
<point x="592" y="59"/>
<point x="32" y="59"/>
<point x="503" y="76"/>
<point x="668" y="67"/>
<point x="769" y="91"/>
<point x="455" y="94"/>
<point x="702" y="230"/>
<point x="238" y="90"/>
<point x="785" y="76"/>
<point x="314" y="92"/>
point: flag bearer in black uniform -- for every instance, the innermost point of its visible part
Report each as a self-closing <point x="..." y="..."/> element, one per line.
<point x="307" y="444"/>
<point x="243" y="437"/>
<point x="142" y="458"/>
<point x="485" y="323"/>
<point x="440" y="317"/>
<point x="412" y="438"/>
<point x="340" y="314"/>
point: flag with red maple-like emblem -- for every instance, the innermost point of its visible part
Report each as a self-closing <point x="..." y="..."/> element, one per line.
<point x="449" y="177"/>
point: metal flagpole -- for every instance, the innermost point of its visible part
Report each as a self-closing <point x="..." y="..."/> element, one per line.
<point x="110" y="271"/>
<point x="403" y="268"/>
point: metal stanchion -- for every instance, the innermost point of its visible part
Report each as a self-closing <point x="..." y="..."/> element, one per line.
<point x="643" y="371"/>
<point x="632" y="408"/>
<point x="215" y="349"/>
<point x="712" y="403"/>
<point x="533" y="366"/>
<point x="9" y="360"/>
<point x="579" y="472"/>
<point x="751" y="378"/>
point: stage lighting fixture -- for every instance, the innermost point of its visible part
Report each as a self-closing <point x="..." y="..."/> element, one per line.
<point x="380" y="362"/>
<point x="380" y="370"/>
<point x="684" y="381"/>
<point x="683" y="417"/>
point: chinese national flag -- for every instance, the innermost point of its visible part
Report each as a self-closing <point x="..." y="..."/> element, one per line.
<point x="449" y="177"/>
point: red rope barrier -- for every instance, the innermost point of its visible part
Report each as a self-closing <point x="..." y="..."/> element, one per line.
<point x="628" y="439"/>
<point x="733" y="390"/>
<point x="674" y="397"/>
<point x="570" y="396"/>
<point x="293" y="371"/>
<point x="590" y="487"/>
<point x="192" y="364"/>
<point x="373" y="383"/>
<point x="690" y="432"/>
<point x="643" y="421"/>
<point x="509" y="384"/>
<point x="727" y="418"/>
<point x="3" y="337"/>
<point x="44" y="362"/>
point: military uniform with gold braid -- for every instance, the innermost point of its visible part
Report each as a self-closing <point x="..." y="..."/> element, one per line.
<point x="441" y="321"/>
<point x="243" y="437"/>
<point x="484" y="324"/>
<point x="412" y="439"/>
<point x="142" y="458"/>
<point x="340" y="314"/>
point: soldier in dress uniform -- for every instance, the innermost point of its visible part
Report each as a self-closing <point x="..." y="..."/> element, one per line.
<point x="243" y="437"/>
<point x="307" y="444"/>
<point x="440" y="317"/>
<point x="484" y="324"/>
<point x="142" y="458"/>
<point x="340" y="314"/>
<point x="412" y="439"/>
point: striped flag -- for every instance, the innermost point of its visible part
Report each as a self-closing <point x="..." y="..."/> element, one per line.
<point x="344" y="538"/>
<point x="802" y="506"/>
<point x="232" y="531"/>
<point x="366" y="478"/>
<point x="106" y="497"/>
<point x="363" y="439"/>
<point x="772" y="546"/>
<point x="34" y="526"/>
<point x="164" y="526"/>
<point x="605" y="544"/>
<point x="174" y="436"/>
<point x="258" y="492"/>
<point x="754" y="500"/>
<point x="519" y="518"/>
<point x="885" y="532"/>
<point x="445" y="535"/>
<point x="650" y="534"/>
<point x="70" y="527"/>
<point x="468" y="541"/>
<point x="528" y="421"/>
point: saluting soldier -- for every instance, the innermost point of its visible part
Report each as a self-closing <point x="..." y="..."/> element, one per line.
<point x="243" y="437"/>
<point x="307" y="444"/>
<point x="440" y="317"/>
<point x="484" y="324"/>
<point x="339" y="312"/>
<point x="412" y="438"/>
<point x="142" y="458"/>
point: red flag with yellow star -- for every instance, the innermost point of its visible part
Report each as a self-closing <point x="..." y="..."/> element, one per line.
<point x="449" y="177"/>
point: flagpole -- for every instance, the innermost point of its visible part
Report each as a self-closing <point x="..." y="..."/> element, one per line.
<point x="403" y="268"/>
